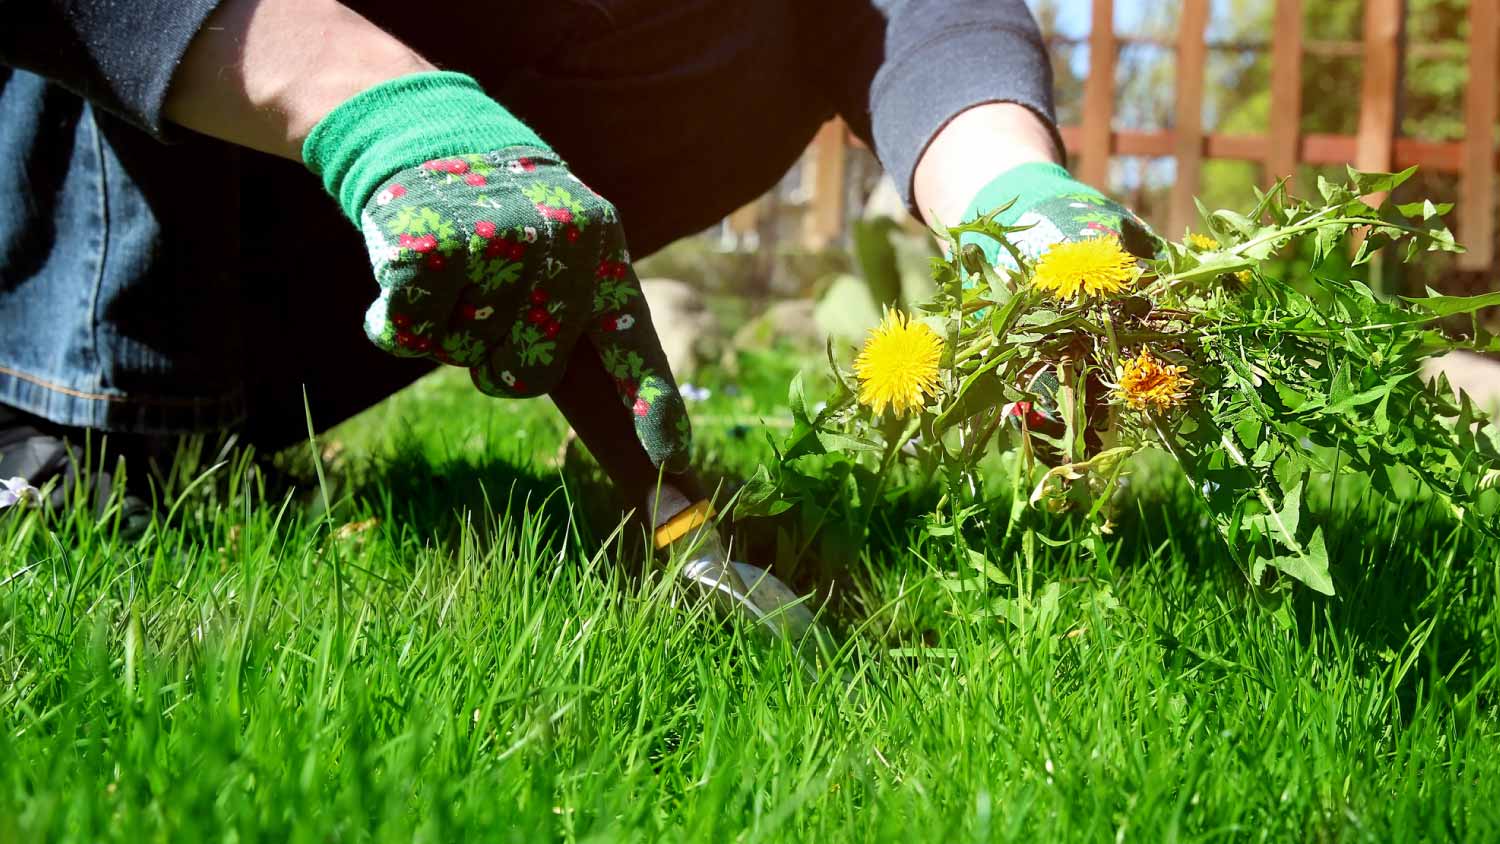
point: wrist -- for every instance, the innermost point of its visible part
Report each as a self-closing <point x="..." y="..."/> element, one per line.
<point x="401" y="123"/>
<point x="262" y="73"/>
<point x="974" y="148"/>
<point x="306" y="101"/>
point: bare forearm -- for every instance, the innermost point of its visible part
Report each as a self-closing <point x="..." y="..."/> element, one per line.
<point x="262" y="73"/>
<point x="972" y="150"/>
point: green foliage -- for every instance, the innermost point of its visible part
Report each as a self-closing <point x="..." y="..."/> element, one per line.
<point x="456" y="654"/>
<point x="1290" y="382"/>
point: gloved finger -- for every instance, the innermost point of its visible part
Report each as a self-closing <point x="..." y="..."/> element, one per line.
<point x="622" y="331"/>
<point x="540" y="329"/>
<point x="415" y="253"/>
<point x="1138" y="238"/>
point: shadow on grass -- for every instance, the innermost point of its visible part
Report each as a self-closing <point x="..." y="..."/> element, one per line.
<point x="1410" y="583"/>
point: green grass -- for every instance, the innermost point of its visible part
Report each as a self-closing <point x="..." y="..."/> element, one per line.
<point x="481" y="664"/>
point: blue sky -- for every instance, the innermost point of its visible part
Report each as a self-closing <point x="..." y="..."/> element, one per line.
<point x="1073" y="15"/>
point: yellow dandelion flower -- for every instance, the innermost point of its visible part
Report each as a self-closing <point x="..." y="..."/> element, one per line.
<point x="1097" y="266"/>
<point x="898" y="365"/>
<point x="1149" y="383"/>
<point x="1202" y="242"/>
<point x="1243" y="276"/>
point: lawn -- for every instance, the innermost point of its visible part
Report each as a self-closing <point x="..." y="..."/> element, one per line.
<point x="460" y="648"/>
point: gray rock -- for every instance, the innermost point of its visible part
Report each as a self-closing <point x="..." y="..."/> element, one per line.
<point x="789" y="321"/>
<point x="683" y="322"/>
<point x="1476" y="375"/>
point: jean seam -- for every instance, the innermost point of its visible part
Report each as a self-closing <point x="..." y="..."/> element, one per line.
<point x="102" y="254"/>
<point x="105" y="397"/>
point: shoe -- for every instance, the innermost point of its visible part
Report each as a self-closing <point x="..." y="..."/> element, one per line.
<point x="54" y="459"/>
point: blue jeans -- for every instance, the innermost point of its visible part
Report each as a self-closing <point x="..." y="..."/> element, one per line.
<point x="192" y="286"/>
<point x="105" y="297"/>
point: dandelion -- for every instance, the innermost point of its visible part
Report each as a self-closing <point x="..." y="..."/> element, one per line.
<point x="1202" y="242"/>
<point x="1094" y="267"/>
<point x="898" y="365"/>
<point x="1149" y="383"/>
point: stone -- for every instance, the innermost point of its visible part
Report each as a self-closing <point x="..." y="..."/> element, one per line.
<point x="1476" y="375"/>
<point x="684" y="323"/>
<point x="787" y="321"/>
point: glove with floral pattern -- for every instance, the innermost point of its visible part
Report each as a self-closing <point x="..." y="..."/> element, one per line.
<point x="489" y="253"/>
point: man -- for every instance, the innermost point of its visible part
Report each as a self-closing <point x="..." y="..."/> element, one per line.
<point x="167" y="263"/>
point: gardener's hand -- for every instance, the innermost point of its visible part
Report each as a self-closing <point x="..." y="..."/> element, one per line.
<point x="1012" y="155"/>
<point x="1055" y="208"/>
<point x="489" y="253"/>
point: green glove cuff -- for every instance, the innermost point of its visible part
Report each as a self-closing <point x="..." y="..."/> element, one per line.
<point x="402" y="123"/>
<point x="1027" y="184"/>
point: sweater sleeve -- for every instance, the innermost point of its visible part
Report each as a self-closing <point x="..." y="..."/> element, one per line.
<point x="118" y="54"/>
<point x="908" y="67"/>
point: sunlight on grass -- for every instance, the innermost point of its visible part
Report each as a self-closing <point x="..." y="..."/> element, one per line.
<point x="457" y="670"/>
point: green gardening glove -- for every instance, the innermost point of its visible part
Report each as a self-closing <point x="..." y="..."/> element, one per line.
<point x="1054" y="207"/>
<point x="489" y="253"/>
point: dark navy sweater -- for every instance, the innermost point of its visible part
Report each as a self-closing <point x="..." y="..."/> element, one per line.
<point x="930" y="60"/>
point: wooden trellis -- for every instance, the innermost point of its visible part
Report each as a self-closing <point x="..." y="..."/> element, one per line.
<point x="1376" y="144"/>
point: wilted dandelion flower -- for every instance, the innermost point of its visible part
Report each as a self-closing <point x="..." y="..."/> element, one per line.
<point x="898" y="366"/>
<point x="1096" y="266"/>
<point x="1150" y="383"/>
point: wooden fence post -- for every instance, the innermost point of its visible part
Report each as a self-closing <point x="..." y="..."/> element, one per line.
<point x="1099" y="97"/>
<point x="1187" y="132"/>
<point x="1476" y="188"/>
<point x="1286" y="93"/>
<point x="824" y="184"/>
<point x="1375" y="142"/>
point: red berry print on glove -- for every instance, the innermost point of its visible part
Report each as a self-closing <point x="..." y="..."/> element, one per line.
<point x="641" y="408"/>
<point x="537" y="315"/>
<point x="436" y="261"/>
<point x="485" y="229"/>
<point x="557" y="215"/>
<point x="474" y="180"/>
<point x="425" y="243"/>
<point x="550" y="331"/>
<point x="389" y="195"/>
<point x="539" y="296"/>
